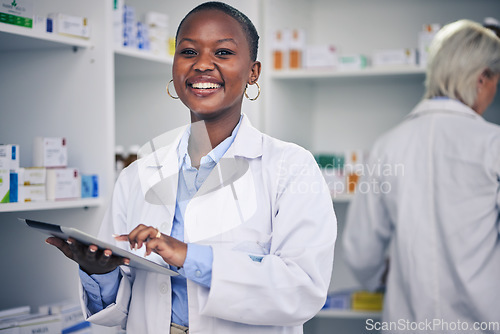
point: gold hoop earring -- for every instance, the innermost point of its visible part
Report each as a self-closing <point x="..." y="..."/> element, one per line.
<point x="168" y="92"/>
<point x="258" y="93"/>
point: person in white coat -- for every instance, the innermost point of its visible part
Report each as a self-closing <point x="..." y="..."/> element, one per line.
<point x="246" y="220"/>
<point x="431" y="198"/>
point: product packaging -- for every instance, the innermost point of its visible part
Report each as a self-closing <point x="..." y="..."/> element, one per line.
<point x="63" y="24"/>
<point x="90" y="186"/>
<point x="394" y="57"/>
<point x="320" y="56"/>
<point x="31" y="193"/>
<point x="352" y="62"/>
<point x="63" y="183"/>
<point x="19" y="12"/>
<point x="50" y="152"/>
<point x="425" y="38"/>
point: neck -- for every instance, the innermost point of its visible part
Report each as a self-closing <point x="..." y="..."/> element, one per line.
<point x="206" y="134"/>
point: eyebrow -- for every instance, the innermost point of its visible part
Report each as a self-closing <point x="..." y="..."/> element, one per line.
<point x="218" y="41"/>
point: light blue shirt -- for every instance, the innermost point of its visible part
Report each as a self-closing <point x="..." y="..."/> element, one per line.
<point x="102" y="289"/>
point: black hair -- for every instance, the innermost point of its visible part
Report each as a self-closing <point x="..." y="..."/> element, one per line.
<point x="245" y="23"/>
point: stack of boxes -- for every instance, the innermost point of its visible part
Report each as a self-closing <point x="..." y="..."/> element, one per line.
<point x="150" y="35"/>
<point x="50" y="178"/>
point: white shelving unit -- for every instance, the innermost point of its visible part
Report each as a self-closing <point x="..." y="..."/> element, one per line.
<point x="50" y="205"/>
<point x="145" y="55"/>
<point x="334" y="111"/>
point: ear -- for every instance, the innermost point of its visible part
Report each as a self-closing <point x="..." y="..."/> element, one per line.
<point x="254" y="72"/>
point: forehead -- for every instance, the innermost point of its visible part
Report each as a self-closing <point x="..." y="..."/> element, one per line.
<point x="212" y="24"/>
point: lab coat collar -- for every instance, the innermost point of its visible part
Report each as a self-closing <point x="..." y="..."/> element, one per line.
<point x="247" y="144"/>
<point x="448" y="106"/>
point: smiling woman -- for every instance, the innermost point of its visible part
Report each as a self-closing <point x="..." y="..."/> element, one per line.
<point x="253" y="245"/>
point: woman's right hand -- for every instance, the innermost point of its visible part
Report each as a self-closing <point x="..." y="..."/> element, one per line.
<point x="91" y="259"/>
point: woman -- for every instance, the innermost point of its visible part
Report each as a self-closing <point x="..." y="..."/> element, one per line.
<point x="252" y="241"/>
<point x="441" y="213"/>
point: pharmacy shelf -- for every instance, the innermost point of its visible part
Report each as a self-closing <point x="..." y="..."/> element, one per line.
<point x="51" y="205"/>
<point x="348" y="314"/>
<point x="15" y="38"/>
<point x="141" y="54"/>
<point x="332" y="73"/>
<point x="342" y="198"/>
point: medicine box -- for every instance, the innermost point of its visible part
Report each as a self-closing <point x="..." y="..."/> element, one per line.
<point x="394" y="57"/>
<point x="320" y="56"/>
<point x="352" y="62"/>
<point x="9" y="157"/>
<point x="4" y="185"/>
<point x="32" y="175"/>
<point x="50" y="152"/>
<point x="90" y="186"/>
<point x="32" y="193"/>
<point x="70" y="25"/>
<point x="63" y="183"/>
<point x="19" y="12"/>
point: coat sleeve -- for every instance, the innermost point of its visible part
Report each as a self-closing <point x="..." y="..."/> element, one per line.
<point x="368" y="229"/>
<point x="288" y="286"/>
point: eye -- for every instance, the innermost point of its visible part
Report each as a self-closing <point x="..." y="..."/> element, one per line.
<point x="224" y="52"/>
<point x="188" y="52"/>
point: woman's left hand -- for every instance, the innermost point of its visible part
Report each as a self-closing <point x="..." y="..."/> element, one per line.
<point x="170" y="249"/>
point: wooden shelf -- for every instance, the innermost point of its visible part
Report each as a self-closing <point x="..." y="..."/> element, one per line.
<point x="51" y="205"/>
<point x="348" y="314"/>
<point x="15" y="38"/>
<point x="309" y="74"/>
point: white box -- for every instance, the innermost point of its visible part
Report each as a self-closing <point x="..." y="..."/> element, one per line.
<point x="19" y="12"/>
<point x="9" y="157"/>
<point x="352" y="62"/>
<point x="70" y="25"/>
<point x="425" y="38"/>
<point x="4" y="186"/>
<point x="31" y="175"/>
<point x="50" y="152"/>
<point x="156" y="19"/>
<point x="320" y="56"/>
<point x="394" y="57"/>
<point x="63" y="183"/>
<point x="33" y="193"/>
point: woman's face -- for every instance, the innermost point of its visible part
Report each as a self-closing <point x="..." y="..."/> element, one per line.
<point x="212" y="64"/>
<point x="487" y="89"/>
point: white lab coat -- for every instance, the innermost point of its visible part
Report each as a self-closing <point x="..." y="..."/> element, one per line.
<point x="285" y="214"/>
<point x="440" y="215"/>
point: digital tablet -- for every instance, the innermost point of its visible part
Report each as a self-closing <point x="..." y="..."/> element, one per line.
<point x="86" y="239"/>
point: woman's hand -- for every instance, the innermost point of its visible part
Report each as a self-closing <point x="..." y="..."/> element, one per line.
<point x="170" y="249"/>
<point x="91" y="259"/>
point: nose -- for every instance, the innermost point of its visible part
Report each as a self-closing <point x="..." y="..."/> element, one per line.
<point x="204" y="62"/>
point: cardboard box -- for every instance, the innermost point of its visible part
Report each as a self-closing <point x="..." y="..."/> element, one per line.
<point x="4" y="186"/>
<point x="90" y="186"/>
<point x="31" y="175"/>
<point x="63" y="24"/>
<point x="63" y="183"/>
<point x="320" y="56"/>
<point x="19" y="12"/>
<point x="394" y="57"/>
<point x="33" y="193"/>
<point x="9" y="157"/>
<point x="50" y="152"/>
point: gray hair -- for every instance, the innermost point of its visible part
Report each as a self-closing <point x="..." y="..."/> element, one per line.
<point x="459" y="53"/>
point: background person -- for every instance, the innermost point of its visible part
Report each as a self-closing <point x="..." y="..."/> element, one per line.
<point x="441" y="218"/>
<point x="254" y="256"/>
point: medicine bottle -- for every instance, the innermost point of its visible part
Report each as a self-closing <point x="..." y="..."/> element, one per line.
<point x="132" y="154"/>
<point x="119" y="159"/>
<point x="352" y="175"/>
<point x="278" y="53"/>
<point x="296" y="46"/>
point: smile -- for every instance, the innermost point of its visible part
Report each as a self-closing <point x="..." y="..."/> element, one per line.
<point x="205" y="85"/>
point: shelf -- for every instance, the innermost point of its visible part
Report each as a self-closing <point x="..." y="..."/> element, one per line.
<point x="348" y="314"/>
<point x="15" y="38"/>
<point x="342" y="198"/>
<point x="50" y="205"/>
<point x="146" y="55"/>
<point x="331" y="73"/>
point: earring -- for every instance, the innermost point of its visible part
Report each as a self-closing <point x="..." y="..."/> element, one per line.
<point x="258" y="93"/>
<point x="168" y="92"/>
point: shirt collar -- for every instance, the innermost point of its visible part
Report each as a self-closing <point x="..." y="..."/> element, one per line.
<point x="214" y="156"/>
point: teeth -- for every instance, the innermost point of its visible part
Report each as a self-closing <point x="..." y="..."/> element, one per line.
<point x="205" y="85"/>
